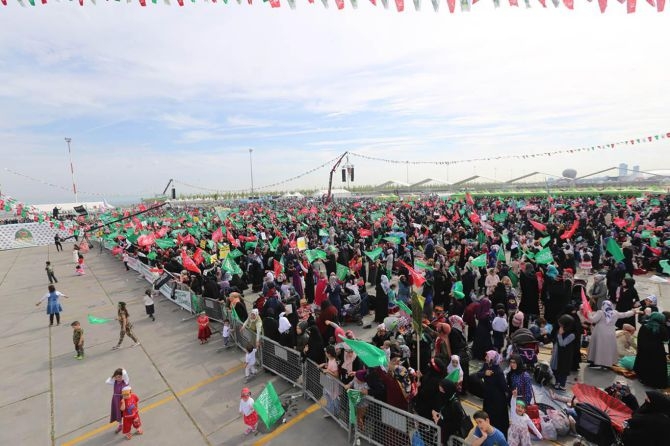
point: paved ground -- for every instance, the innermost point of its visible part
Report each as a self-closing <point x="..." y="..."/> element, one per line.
<point x="189" y="392"/>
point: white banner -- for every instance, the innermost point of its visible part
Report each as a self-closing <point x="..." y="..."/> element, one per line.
<point x="26" y="235"/>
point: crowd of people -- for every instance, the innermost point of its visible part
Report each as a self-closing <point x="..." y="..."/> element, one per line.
<point x="298" y="272"/>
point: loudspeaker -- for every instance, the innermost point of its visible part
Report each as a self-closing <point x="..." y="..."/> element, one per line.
<point x="351" y="173"/>
<point x="174" y="194"/>
<point x="344" y="175"/>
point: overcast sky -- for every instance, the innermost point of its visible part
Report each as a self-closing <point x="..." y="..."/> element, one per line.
<point x="149" y="94"/>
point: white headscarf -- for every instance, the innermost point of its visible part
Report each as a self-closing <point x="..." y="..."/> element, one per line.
<point x="284" y="324"/>
<point x="608" y="309"/>
<point x="386" y="286"/>
<point x="451" y="367"/>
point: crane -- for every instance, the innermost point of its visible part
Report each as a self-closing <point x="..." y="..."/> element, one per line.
<point x="330" y="180"/>
<point x="168" y="186"/>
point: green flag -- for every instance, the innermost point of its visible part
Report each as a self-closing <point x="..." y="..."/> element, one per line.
<point x="544" y="257"/>
<point x="454" y="376"/>
<point x="614" y="249"/>
<point x="324" y="232"/>
<point x="374" y="253"/>
<point x="417" y="312"/>
<point x="235" y="253"/>
<point x="313" y="254"/>
<point x="355" y="397"/>
<point x="645" y="234"/>
<point x="500" y="218"/>
<point x="422" y="265"/>
<point x="545" y="240"/>
<point x="97" y="320"/>
<point x="152" y="255"/>
<point x="653" y="241"/>
<point x="342" y="271"/>
<point x="132" y="237"/>
<point x="513" y="277"/>
<point x="457" y="290"/>
<point x="268" y="406"/>
<point x="371" y="355"/>
<point x="250" y="245"/>
<point x="500" y="255"/>
<point x="479" y="261"/>
<point x="665" y="266"/>
<point x="393" y="239"/>
<point x="235" y="316"/>
<point x="274" y="244"/>
<point x="481" y="238"/>
<point x="505" y="239"/>
<point x="230" y="266"/>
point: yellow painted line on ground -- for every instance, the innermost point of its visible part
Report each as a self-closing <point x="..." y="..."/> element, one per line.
<point x="153" y="405"/>
<point x="475" y="406"/>
<point x="295" y="420"/>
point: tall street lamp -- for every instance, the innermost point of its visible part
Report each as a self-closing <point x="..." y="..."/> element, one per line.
<point x="251" y="169"/>
<point x="74" y="186"/>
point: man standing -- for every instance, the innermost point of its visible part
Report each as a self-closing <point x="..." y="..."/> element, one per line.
<point x="59" y="247"/>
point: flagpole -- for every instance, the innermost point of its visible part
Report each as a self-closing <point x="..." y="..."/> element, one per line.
<point x="74" y="186"/>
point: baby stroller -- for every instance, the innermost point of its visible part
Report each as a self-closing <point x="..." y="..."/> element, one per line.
<point x="351" y="309"/>
<point x="525" y="345"/>
<point x="577" y="286"/>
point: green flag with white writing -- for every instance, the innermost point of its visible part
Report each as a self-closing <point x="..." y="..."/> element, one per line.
<point x="268" y="406"/>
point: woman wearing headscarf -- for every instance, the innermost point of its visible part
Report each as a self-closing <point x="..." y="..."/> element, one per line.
<point x="314" y="349"/>
<point x="558" y="293"/>
<point x="627" y="300"/>
<point x="615" y="274"/>
<point x="519" y="379"/>
<point x="643" y="427"/>
<point x="286" y="337"/>
<point x="650" y="363"/>
<point x="495" y="391"/>
<point x="382" y="299"/>
<point x="334" y="293"/>
<point x="320" y="291"/>
<point x="255" y="325"/>
<point x="459" y="346"/>
<point x="427" y="398"/>
<point x="602" y="348"/>
<point x="598" y="291"/>
<point x="328" y="313"/>
<point x="236" y="303"/>
<point x="309" y="281"/>
<point x="482" y="342"/>
<point x="455" y="364"/>
<point x="450" y="413"/>
<point x="626" y="343"/>
<point x="530" y="294"/>
<point x="442" y="344"/>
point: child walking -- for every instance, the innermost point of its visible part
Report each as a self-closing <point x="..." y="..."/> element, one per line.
<point x="50" y="273"/>
<point x="250" y="361"/>
<point x="225" y="332"/>
<point x="78" y="339"/>
<point x="149" y="304"/>
<point x="204" y="332"/>
<point x="131" y="412"/>
<point x="519" y="423"/>
<point x="499" y="326"/>
<point x="249" y="415"/>
<point x="562" y="354"/>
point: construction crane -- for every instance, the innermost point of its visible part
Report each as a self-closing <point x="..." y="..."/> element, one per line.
<point x="171" y="182"/>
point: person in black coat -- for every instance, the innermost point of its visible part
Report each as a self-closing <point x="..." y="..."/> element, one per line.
<point x="628" y="299"/>
<point x="530" y="294"/>
<point x="450" y="413"/>
<point x="459" y="346"/>
<point x="645" y="426"/>
<point x="271" y="326"/>
<point x="428" y="397"/>
<point x="558" y="294"/>
<point x="650" y="363"/>
<point x="314" y="350"/>
<point x="495" y="392"/>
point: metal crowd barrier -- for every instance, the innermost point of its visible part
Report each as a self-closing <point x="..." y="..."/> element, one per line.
<point x="282" y="361"/>
<point x="378" y="423"/>
<point x="385" y="425"/>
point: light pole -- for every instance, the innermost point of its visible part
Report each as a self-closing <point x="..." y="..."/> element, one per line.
<point x="74" y="186"/>
<point x="251" y="169"/>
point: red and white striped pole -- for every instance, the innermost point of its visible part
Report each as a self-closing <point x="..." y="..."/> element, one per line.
<point x="74" y="186"/>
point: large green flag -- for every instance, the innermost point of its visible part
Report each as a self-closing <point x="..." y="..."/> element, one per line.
<point x="369" y="354"/>
<point x="393" y="239"/>
<point x="230" y="266"/>
<point x="324" y="233"/>
<point x="417" y="313"/>
<point x="274" y="244"/>
<point x="250" y="245"/>
<point x="481" y="238"/>
<point x="235" y="253"/>
<point x="422" y="265"/>
<point x="614" y="249"/>
<point x="500" y="218"/>
<point x="505" y="239"/>
<point x="544" y="257"/>
<point x="268" y="406"/>
<point x="342" y="271"/>
<point x="545" y="240"/>
<point x="313" y="254"/>
<point x="403" y="307"/>
<point x="165" y="243"/>
<point x="374" y="253"/>
<point x="97" y="320"/>
<point x="355" y="397"/>
<point x="479" y="261"/>
<point x="500" y="256"/>
<point x="132" y="237"/>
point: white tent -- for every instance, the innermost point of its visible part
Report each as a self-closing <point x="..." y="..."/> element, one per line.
<point x="336" y="193"/>
<point x="293" y="195"/>
<point x="90" y="206"/>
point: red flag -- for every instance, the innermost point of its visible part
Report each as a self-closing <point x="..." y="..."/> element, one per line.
<point x="275" y="3"/>
<point x="181" y="2"/>
<point x="539" y="226"/>
<point x="452" y="5"/>
<point x="217" y="235"/>
<point x="513" y="3"/>
<point x="374" y="2"/>
<point x="277" y="267"/>
<point x="364" y="232"/>
<point x="442" y="219"/>
<point x="543" y="3"/>
<point x="188" y="263"/>
<point x="586" y="306"/>
<point x="474" y="218"/>
<point x="417" y="279"/>
<point x="146" y="240"/>
<point x="4" y="2"/>
<point x="468" y="197"/>
<point x="198" y="257"/>
<point x="619" y="222"/>
<point x="660" y="5"/>
<point x="570" y="232"/>
<point x="655" y="251"/>
<point x="630" y="6"/>
<point x="570" y="4"/>
<point x="400" y="5"/>
<point x="116" y="250"/>
<point x="652" y="3"/>
<point x="340" y="4"/>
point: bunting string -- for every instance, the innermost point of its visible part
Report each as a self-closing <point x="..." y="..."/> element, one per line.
<point x="466" y="5"/>
<point x="610" y="146"/>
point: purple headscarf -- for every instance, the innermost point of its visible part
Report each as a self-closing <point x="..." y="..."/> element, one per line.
<point x="484" y="309"/>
